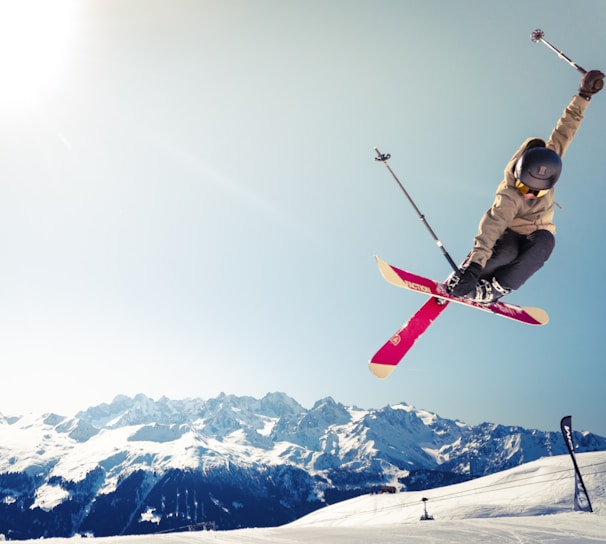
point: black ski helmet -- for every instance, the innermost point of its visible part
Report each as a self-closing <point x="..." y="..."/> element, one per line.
<point x="539" y="168"/>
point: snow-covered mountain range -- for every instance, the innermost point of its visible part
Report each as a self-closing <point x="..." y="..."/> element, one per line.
<point x="138" y="465"/>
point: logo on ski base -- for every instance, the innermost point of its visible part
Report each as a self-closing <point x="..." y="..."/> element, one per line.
<point x="395" y="339"/>
<point x="416" y="287"/>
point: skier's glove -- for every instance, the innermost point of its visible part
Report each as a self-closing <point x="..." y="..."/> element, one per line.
<point x="592" y="82"/>
<point x="467" y="280"/>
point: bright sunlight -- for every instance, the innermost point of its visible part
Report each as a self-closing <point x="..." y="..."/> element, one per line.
<point x="34" y="36"/>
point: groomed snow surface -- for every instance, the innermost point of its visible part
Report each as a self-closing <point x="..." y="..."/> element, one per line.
<point x="529" y="504"/>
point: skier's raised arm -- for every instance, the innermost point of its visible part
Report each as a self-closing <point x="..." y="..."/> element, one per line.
<point x="516" y="235"/>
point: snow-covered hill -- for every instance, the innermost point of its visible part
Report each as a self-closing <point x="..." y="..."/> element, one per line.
<point x="529" y="504"/>
<point x="137" y="465"/>
<point x="542" y="487"/>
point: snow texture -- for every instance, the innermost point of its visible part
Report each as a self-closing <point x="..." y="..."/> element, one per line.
<point x="529" y="504"/>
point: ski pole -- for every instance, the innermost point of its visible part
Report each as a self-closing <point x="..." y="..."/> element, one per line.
<point x="538" y="36"/>
<point x="384" y="158"/>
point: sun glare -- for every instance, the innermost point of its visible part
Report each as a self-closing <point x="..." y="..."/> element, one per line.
<point x="34" y="36"/>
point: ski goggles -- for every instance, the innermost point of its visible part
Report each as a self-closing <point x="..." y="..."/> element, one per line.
<point x="525" y="190"/>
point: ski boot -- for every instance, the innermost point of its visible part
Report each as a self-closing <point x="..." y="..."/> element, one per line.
<point x="487" y="292"/>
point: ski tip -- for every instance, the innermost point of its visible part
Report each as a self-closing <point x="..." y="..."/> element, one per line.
<point x="388" y="273"/>
<point x="538" y="314"/>
<point x="381" y="371"/>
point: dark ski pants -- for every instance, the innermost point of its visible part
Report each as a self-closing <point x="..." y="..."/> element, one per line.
<point x="516" y="257"/>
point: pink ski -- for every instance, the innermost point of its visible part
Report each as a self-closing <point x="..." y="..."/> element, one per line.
<point x="413" y="282"/>
<point x="384" y="362"/>
<point x="387" y="358"/>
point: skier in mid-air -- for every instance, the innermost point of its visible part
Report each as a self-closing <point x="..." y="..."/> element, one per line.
<point x="516" y="235"/>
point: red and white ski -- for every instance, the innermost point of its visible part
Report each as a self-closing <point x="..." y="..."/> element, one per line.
<point x="384" y="362"/>
<point x="386" y="359"/>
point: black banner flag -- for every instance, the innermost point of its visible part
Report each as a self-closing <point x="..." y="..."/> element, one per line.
<point x="581" y="498"/>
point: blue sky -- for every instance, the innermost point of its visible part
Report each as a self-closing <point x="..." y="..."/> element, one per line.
<point x="189" y="202"/>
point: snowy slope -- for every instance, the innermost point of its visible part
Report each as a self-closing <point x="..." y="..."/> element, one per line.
<point x="530" y="504"/>
<point x="137" y="466"/>
<point x="538" y="488"/>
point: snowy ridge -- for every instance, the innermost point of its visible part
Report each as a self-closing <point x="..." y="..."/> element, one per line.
<point x="530" y="504"/>
<point x="236" y="461"/>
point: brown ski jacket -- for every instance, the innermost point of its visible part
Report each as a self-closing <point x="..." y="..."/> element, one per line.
<point x="510" y="210"/>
